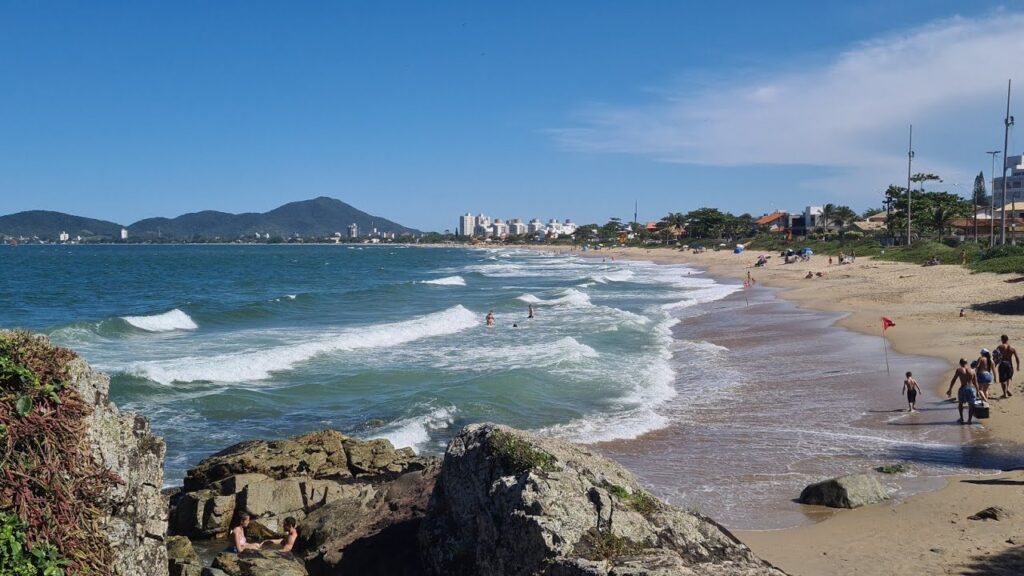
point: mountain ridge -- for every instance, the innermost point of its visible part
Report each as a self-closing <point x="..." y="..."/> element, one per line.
<point x="317" y="217"/>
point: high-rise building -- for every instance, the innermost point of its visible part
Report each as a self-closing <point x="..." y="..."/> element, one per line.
<point x="516" y="227"/>
<point x="466" y="225"/>
<point x="353" y="230"/>
<point x="124" y="233"/>
<point x="483" y="225"/>
<point x="535" y="226"/>
<point x="1014" y="181"/>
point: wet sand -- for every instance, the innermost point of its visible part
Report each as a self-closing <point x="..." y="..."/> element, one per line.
<point x="928" y="533"/>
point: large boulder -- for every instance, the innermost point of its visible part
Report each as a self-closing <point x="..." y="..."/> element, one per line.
<point x="135" y="521"/>
<point x="259" y="563"/>
<point x="182" y="559"/>
<point x="850" y="491"/>
<point x="507" y="503"/>
<point x="272" y="480"/>
<point x="371" y="531"/>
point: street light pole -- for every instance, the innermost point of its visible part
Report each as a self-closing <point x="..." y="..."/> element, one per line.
<point x="910" y="160"/>
<point x="1007" y="122"/>
<point x="992" y="201"/>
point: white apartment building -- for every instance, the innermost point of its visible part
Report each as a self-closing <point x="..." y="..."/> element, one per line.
<point x="499" y="229"/>
<point x="124" y="233"/>
<point x="353" y="230"/>
<point x="516" y="227"/>
<point x="64" y="236"/>
<point x="483" y="225"/>
<point x="466" y="225"/>
<point x="535" y="226"/>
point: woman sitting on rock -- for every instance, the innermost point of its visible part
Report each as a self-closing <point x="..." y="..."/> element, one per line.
<point x="237" y="536"/>
<point x="292" y="534"/>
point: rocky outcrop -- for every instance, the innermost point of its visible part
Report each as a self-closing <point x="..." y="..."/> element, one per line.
<point x="182" y="559"/>
<point x="262" y="563"/>
<point x="272" y="480"/>
<point x="135" y="522"/>
<point x="851" y="491"/>
<point x="507" y="503"/>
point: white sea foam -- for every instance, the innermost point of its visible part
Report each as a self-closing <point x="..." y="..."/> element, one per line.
<point x="569" y="297"/>
<point x="448" y="281"/>
<point x="614" y="276"/>
<point x="258" y="365"/>
<point x="414" y="432"/>
<point x="166" y="322"/>
<point x="566" y="351"/>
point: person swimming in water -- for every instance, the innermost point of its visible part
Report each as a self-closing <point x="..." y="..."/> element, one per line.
<point x="291" y="535"/>
<point x="490" y="318"/>
<point x="237" y="536"/>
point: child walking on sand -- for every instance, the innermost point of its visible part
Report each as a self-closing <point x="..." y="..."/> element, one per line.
<point x="910" y="388"/>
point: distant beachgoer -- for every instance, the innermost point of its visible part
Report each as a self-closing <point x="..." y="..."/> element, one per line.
<point x="529" y="310"/>
<point x="237" y="536"/>
<point x="984" y="371"/>
<point x="829" y="260"/>
<point x="962" y="315"/>
<point x="963" y="257"/>
<point x="490" y="318"/>
<point x="910" y="388"/>
<point x="514" y="325"/>
<point x="291" y="535"/>
<point x="1005" y="367"/>
<point x="809" y="275"/>
<point x="968" y="391"/>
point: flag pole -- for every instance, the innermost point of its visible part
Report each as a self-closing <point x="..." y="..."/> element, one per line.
<point x="886" y="350"/>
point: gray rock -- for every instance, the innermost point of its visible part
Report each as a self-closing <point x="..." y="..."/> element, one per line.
<point x="992" y="513"/>
<point x="270" y="564"/>
<point x="507" y="503"/>
<point x="182" y="559"/>
<point x="136" y="524"/>
<point x="209" y="571"/>
<point x="850" y="491"/>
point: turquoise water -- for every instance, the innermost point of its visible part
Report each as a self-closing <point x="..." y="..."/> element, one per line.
<point x="216" y="344"/>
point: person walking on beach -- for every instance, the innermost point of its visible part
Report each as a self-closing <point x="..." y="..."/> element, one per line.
<point x="984" y="371"/>
<point x="910" y="388"/>
<point x="490" y="318"/>
<point x="968" y="391"/>
<point x="1005" y="367"/>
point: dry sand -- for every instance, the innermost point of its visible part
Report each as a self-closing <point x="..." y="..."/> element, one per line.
<point x="928" y="533"/>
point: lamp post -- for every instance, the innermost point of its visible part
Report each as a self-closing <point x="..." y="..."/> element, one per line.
<point x="1007" y="122"/>
<point x="910" y="160"/>
<point x="992" y="200"/>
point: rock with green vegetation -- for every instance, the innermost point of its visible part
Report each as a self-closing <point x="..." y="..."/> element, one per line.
<point x="509" y="503"/>
<point x="898" y="468"/>
<point x="851" y="491"/>
<point x="102" y="469"/>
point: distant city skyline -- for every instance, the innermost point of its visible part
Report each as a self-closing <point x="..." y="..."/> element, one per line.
<point x="409" y="110"/>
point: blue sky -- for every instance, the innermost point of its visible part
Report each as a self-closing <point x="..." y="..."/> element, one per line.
<point x="420" y="111"/>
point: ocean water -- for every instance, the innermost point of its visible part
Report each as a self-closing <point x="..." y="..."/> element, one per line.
<point x="720" y="399"/>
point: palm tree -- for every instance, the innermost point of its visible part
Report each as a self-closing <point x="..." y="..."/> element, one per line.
<point x="828" y="214"/>
<point x="844" y="216"/>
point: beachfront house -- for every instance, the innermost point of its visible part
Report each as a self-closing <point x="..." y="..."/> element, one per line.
<point x="774" y="223"/>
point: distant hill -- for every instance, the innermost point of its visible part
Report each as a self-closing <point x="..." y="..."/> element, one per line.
<point x="321" y="216"/>
<point x="308" y="218"/>
<point x="48" y="225"/>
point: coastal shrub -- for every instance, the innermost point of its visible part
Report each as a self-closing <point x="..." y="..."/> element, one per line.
<point x="602" y="545"/>
<point x="1007" y="265"/>
<point x="638" y="500"/>
<point x="517" y="455"/>
<point x="49" y="482"/>
<point x="17" y="558"/>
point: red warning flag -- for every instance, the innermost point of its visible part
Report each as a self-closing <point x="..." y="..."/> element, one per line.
<point x="887" y="323"/>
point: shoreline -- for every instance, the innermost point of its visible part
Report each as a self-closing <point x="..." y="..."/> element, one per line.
<point x="928" y="532"/>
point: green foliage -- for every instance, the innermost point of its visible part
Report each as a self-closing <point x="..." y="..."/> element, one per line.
<point x="517" y="455"/>
<point x="638" y="500"/>
<point x="17" y="558"/>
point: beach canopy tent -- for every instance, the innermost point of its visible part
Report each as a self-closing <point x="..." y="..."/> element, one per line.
<point x="806" y="252"/>
<point x="738" y="249"/>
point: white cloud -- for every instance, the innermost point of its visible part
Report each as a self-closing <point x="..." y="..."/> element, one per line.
<point x="851" y="113"/>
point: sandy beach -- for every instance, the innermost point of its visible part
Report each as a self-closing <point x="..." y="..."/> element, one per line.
<point x="928" y="533"/>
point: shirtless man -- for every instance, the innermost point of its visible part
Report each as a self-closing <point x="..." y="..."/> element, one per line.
<point x="292" y="534"/>
<point x="1005" y="368"/>
<point x="911" y="388"/>
<point x="968" y="391"/>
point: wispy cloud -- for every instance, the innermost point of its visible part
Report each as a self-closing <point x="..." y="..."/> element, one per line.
<point x="850" y="112"/>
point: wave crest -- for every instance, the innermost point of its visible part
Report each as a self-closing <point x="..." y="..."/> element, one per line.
<point x="447" y="281"/>
<point x="166" y="322"/>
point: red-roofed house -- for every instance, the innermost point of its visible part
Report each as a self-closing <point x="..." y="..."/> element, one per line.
<point x="775" y="222"/>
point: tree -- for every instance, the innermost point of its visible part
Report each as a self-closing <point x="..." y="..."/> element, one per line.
<point x="828" y="213"/>
<point x="978" y="198"/>
<point x="706" y="222"/>
<point x="844" y="216"/>
<point x="922" y="177"/>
